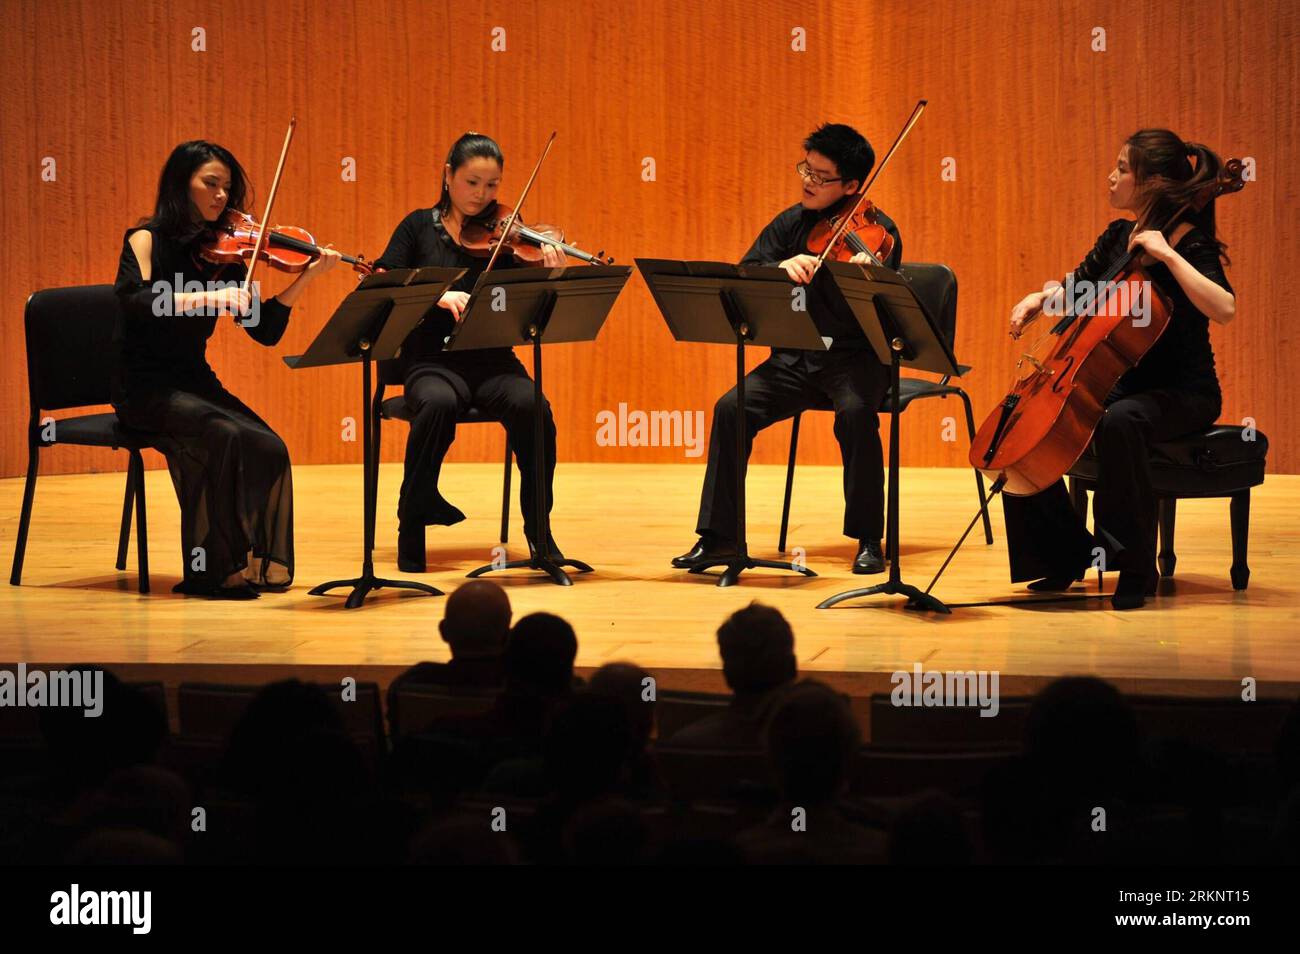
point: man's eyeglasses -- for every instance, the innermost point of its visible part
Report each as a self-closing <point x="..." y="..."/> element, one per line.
<point x="805" y="172"/>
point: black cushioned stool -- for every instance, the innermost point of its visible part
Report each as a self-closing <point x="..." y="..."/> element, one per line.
<point x="1225" y="460"/>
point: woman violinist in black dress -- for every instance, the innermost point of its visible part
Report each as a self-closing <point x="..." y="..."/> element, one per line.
<point x="439" y="385"/>
<point x="1173" y="390"/>
<point x="230" y="470"/>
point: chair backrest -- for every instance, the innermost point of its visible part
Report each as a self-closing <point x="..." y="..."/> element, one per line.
<point x="72" y="336"/>
<point x="714" y="773"/>
<point x="886" y="772"/>
<point x="947" y="726"/>
<point x="418" y="706"/>
<point x="389" y="372"/>
<point x="211" y="710"/>
<point x="676" y="709"/>
<point x="936" y="286"/>
<point x="1224" y="724"/>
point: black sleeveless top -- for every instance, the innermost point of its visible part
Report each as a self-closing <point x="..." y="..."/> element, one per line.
<point x="159" y="350"/>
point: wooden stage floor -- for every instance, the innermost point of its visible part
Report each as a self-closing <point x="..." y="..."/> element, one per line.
<point x="1197" y="637"/>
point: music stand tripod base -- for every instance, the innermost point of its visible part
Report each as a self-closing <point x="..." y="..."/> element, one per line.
<point x="551" y="568"/>
<point x="916" y="599"/>
<point x="564" y="305"/>
<point x="369" y="325"/>
<point x="362" y="586"/>
<point x="737" y="565"/>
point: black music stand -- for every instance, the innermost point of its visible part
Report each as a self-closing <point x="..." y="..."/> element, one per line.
<point x="521" y="306"/>
<point x="901" y="331"/>
<point x="718" y="303"/>
<point x="370" y="325"/>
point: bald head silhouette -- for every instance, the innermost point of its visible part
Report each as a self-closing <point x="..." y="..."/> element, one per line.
<point x="477" y="619"/>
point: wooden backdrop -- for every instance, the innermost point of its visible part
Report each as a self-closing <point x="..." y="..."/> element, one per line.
<point x="1029" y="114"/>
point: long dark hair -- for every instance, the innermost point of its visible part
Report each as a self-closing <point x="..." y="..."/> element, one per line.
<point x="472" y="145"/>
<point x="1162" y="166"/>
<point x="172" y="215"/>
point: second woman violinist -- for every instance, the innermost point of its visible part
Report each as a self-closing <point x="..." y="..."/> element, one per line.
<point x="1172" y="390"/>
<point x="439" y="385"/>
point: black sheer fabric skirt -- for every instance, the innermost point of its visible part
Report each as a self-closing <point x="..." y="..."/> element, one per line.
<point x="233" y="481"/>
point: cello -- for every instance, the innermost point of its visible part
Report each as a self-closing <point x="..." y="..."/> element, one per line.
<point x="1046" y="420"/>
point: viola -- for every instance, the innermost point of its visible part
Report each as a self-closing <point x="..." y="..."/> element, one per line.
<point x="859" y="230"/>
<point x="863" y="234"/>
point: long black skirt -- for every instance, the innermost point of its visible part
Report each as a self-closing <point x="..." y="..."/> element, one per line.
<point x="233" y="481"/>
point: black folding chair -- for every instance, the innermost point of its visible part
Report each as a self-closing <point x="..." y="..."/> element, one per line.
<point x="936" y="286"/>
<point x="72" y="336"/>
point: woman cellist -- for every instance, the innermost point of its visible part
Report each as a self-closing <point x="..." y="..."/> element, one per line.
<point x="1172" y="390"/>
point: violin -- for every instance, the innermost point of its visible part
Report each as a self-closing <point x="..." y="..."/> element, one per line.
<point x="863" y="234"/>
<point x="480" y="237"/>
<point x="843" y="236"/>
<point x="1047" y="419"/>
<point x="286" y="247"/>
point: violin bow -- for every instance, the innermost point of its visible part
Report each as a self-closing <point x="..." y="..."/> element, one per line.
<point x="270" y="203"/>
<point x="514" y="213"/>
<point x="862" y="193"/>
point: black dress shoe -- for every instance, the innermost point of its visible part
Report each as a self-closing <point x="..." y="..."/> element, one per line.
<point x="707" y="548"/>
<point x="870" y="558"/>
<point x="410" y="549"/>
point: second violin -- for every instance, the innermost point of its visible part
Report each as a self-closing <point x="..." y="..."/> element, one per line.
<point x="524" y="242"/>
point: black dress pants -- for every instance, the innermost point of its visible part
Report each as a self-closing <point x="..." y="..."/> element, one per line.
<point x="852" y="384"/>
<point x="438" y="391"/>
<point x="1045" y="537"/>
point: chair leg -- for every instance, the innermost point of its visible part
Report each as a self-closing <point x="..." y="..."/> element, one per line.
<point x="124" y="534"/>
<point x="979" y="476"/>
<point x="1079" y="498"/>
<point x="1167" y="559"/>
<point x="141" y="529"/>
<point x="505" y="497"/>
<point x="1239" y="510"/>
<point x="25" y="520"/>
<point x="789" y="483"/>
<point x="1078" y="492"/>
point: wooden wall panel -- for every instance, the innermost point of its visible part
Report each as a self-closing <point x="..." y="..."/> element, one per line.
<point x="1031" y="114"/>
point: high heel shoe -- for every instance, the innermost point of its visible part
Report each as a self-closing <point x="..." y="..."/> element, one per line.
<point x="410" y="548"/>
<point x="1131" y="590"/>
<point x="1052" y="584"/>
<point x="552" y="551"/>
<point x="1058" y="582"/>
